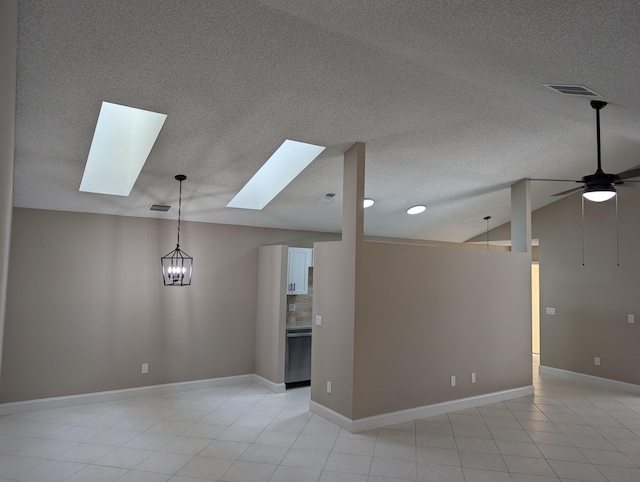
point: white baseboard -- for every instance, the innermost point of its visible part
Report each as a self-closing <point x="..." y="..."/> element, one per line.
<point x="582" y="377"/>
<point x="269" y="385"/>
<point x="391" y="418"/>
<point x="331" y="415"/>
<point x="127" y="393"/>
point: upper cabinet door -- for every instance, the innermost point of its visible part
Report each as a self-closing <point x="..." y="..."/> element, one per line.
<point x="300" y="259"/>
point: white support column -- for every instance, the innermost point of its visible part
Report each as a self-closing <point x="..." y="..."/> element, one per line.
<point x="521" y="217"/>
<point x="8" y="66"/>
<point x="353" y="194"/>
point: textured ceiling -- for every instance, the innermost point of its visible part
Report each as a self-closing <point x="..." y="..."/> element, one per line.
<point x="447" y="96"/>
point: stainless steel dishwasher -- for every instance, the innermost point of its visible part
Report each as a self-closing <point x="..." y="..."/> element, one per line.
<point x="297" y="358"/>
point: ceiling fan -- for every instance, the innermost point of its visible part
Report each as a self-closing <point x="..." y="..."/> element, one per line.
<point x="599" y="186"/>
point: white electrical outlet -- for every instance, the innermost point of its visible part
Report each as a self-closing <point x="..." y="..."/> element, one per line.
<point x="631" y="318"/>
<point x="292" y="307"/>
<point x="318" y="320"/>
<point x="551" y="311"/>
<point x="328" y="387"/>
<point x="596" y="361"/>
<point x="145" y="368"/>
<point x="453" y="380"/>
<point x="473" y="378"/>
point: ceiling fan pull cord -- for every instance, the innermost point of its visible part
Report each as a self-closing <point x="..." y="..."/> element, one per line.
<point x="583" y="233"/>
<point x="617" y="236"/>
<point x="486" y="218"/>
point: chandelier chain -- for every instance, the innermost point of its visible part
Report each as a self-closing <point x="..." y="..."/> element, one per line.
<point x="179" y="212"/>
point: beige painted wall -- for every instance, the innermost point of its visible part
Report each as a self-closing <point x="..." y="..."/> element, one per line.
<point x="333" y="342"/>
<point x="399" y="319"/>
<point x="592" y="301"/>
<point x="270" y="312"/>
<point x="86" y="305"/>
<point x="434" y="313"/>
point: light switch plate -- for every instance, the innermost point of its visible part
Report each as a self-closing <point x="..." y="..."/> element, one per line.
<point x="292" y="307"/>
<point x="145" y="368"/>
<point x="453" y="380"/>
<point x="631" y="318"/>
<point x="551" y="311"/>
<point x="596" y="361"/>
<point x="318" y="320"/>
<point x="473" y="378"/>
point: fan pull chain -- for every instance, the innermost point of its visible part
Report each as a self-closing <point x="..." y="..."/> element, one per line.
<point x="583" y="233"/>
<point x="617" y="236"/>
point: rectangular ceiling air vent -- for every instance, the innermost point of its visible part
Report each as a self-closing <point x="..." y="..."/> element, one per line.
<point x="159" y="207"/>
<point x="572" y="90"/>
<point x="327" y="197"/>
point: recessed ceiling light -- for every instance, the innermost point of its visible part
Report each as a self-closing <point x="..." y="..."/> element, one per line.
<point x="121" y="144"/>
<point x="281" y="168"/>
<point x="416" y="209"/>
<point x="368" y="202"/>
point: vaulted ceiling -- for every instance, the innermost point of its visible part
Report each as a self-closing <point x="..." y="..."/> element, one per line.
<point x="447" y="95"/>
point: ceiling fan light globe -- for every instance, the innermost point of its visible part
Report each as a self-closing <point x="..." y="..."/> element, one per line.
<point x="599" y="194"/>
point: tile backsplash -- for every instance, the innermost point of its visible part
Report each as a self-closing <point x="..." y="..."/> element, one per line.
<point x="301" y="316"/>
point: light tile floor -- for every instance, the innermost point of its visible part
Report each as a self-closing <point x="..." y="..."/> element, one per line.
<point x="567" y="431"/>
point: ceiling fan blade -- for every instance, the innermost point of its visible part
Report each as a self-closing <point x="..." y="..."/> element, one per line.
<point x="558" y="180"/>
<point x="568" y="191"/>
<point x="635" y="184"/>
<point x="630" y="173"/>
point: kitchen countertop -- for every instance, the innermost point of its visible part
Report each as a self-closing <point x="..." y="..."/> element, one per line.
<point x="298" y="328"/>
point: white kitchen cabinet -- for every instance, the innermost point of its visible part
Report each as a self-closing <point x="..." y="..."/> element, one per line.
<point x="300" y="259"/>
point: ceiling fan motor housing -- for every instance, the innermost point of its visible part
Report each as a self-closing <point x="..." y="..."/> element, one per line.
<point x="600" y="178"/>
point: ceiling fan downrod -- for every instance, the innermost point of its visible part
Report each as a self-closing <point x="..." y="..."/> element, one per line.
<point x="597" y="105"/>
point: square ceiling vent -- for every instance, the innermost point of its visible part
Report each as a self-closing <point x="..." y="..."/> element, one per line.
<point x="568" y="89"/>
<point x="159" y="207"/>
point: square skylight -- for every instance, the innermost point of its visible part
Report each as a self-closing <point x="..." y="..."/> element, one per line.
<point x="121" y="145"/>
<point x="281" y="168"/>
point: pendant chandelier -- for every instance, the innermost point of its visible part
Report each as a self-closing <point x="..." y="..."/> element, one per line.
<point x="177" y="265"/>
